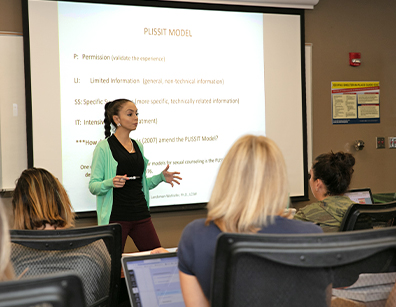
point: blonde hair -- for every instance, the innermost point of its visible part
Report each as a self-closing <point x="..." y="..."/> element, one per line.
<point x="6" y="269"/>
<point x="251" y="186"/>
<point x="40" y="199"/>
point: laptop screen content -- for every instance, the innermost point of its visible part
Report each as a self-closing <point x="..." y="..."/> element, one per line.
<point x="153" y="280"/>
<point x="360" y="196"/>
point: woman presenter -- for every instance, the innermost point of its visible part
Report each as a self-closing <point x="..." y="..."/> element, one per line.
<point x="118" y="177"/>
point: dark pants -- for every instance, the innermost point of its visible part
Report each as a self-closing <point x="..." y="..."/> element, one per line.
<point x="142" y="233"/>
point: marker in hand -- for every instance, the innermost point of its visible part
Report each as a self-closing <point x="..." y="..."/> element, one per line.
<point x="131" y="178"/>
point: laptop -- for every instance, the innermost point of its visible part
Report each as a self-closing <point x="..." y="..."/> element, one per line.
<point x="360" y="196"/>
<point x="153" y="280"/>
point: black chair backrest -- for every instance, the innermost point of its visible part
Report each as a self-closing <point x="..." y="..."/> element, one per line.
<point x="57" y="290"/>
<point x="369" y="216"/>
<point x="92" y="253"/>
<point x="296" y="270"/>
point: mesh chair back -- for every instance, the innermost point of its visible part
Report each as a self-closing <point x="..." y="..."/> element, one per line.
<point x="297" y="270"/>
<point x="277" y="285"/>
<point x="92" y="253"/>
<point x="364" y="216"/>
<point x="57" y="290"/>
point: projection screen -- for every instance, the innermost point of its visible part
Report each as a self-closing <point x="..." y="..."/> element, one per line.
<point x="200" y="75"/>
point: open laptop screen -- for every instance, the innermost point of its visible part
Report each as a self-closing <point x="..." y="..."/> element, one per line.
<point x="360" y="196"/>
<point x="153" y="280"/>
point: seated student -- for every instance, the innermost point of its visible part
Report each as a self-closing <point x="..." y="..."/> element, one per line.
<point x="330" y="176"/>
<point x="249" y="196"/>
<point x="6" y="270"/>
<point x="40" y="202"/>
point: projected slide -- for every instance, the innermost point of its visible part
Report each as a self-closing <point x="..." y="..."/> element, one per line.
<point x="200" y="75"/>
<point x="194" y="93"/>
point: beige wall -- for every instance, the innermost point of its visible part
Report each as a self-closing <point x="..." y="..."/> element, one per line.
<point x="335" y="28"/>
<point x="10" y="16"/>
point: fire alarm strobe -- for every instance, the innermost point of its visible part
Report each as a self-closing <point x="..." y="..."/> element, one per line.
<point x="354" y="58"/>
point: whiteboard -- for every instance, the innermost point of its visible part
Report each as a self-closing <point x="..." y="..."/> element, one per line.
<point x="13" y="148"/>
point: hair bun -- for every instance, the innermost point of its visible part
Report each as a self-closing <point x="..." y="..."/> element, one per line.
<point x="335" y="170"/>
<point x="343" y="157"/>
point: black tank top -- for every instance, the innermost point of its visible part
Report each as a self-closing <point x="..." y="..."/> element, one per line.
<point x="129" y="203"/>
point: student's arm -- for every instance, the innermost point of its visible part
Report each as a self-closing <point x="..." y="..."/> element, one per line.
<point x="391" y="301"/>
<point x="192" y="291"/>
<point x="300" y="215"/>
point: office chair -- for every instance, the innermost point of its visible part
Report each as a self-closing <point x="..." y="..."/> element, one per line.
<point x="92" y="253"/>
<point x="364" y="216"/>
<point x="56" y="290"/>
<point x="296" y="270"/>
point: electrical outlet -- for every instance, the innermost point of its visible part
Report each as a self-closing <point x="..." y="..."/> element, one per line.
<point x="392" y="142"/>
<point x="380" y="142"/>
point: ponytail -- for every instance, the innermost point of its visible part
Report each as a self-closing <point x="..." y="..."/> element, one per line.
<point x="107" y="120"/>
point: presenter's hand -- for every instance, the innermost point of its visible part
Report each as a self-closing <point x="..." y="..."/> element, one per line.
<point x="119" y="181"/>
<point x="171" y="177"/>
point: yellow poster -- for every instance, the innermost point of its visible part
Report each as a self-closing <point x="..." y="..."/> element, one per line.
<point x="355" y="102"/>
<point x="344" y="106"/>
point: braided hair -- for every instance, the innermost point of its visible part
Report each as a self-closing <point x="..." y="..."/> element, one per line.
<point x="335" y="170"/>
<point x="112" y="108"/>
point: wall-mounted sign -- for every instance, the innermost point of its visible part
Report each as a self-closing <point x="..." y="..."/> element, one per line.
<point x="355" y="102"/>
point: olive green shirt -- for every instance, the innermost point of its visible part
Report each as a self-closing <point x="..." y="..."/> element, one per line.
<point x="327" y="213"/>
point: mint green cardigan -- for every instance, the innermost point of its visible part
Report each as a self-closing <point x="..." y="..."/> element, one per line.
<point x="103" y="170"/>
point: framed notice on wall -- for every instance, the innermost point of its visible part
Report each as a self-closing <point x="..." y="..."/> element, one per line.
<point x="355" y="102"/>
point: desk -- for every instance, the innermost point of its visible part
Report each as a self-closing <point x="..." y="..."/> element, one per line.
<point x="343" y="302"/>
